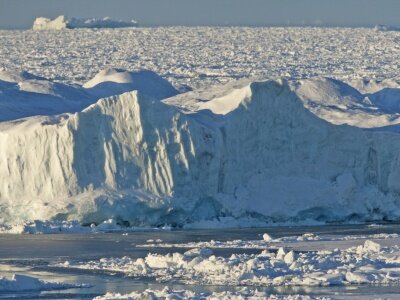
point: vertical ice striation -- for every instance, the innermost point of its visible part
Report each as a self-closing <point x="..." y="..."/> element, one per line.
<point x="249" y="148"/>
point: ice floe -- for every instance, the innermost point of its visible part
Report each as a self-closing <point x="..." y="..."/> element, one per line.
<point x="19" y="283"/>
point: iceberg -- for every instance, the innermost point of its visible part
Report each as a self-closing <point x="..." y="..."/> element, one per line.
<point x="274" y="150"/>
<point x="23" y="94"/>
<point x="62" y="22"/>
<point x="381" y="27"/>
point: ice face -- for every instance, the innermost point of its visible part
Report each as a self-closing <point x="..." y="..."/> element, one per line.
<point x="258" y="149"/>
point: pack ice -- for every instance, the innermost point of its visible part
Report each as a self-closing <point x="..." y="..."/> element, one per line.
<point x="62" y="22"/>
<point x="273" y="150"/>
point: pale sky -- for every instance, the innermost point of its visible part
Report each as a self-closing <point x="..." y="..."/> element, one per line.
<point x="21" y="13"/>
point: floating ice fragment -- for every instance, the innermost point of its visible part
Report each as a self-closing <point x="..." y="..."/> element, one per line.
<point x="267" y="237"/>
<point x="368" y="247"/>
<point x="289" y="258"/>
<point x="203" y="252"/>
<point x="281" y="253"/>
<point x="20" y="282"/>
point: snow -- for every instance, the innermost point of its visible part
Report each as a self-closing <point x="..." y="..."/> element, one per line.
<point x="339" y="103"/>
<point x="23" y="94"/>
<point x="62" y="22"/>
<point x="20" y="283"/>
<point x="168" y="293"/>
<point x="111" y="82"/>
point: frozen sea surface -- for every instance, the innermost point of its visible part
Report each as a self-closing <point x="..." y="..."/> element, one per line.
<point x="197" y="57"/>
<point x="40" y="256"/>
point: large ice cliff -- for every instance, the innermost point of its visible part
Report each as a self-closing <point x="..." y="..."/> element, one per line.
<point x="274" y="150"/>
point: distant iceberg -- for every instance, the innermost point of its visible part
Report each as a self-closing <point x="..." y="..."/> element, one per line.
<point x="62" y="22"/>
<point x="380" y="27"/>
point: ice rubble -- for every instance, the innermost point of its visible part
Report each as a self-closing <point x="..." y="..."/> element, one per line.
<point x="167" y="293"/>
<point x="272" y="150"/>
<point x="71" y="227"/>
<point x="193" y="57"/>
<point x="20" y="283"/>
<point x="367" y="263"/>
<point x="62" y="22"/>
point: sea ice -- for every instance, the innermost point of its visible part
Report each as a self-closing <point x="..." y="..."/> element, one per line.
<point x="20" y="283"/>
<point x="167" y="293"/>
<point x="367" y="263"/>
<point x="193" y="57"/>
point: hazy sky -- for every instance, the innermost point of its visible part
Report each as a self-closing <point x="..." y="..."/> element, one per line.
<point x="21" y="13"/>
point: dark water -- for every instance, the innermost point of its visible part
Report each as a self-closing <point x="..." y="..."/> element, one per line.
<point x="31" y="255"/>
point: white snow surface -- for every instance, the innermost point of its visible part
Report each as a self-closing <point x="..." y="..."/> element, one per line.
<point x="19" y="283"/>
<point x="248" y="148"/>
<point x="168" y="293"/>
<point x="111" y="82"/>
<point x="23" y="94"/>
<point x="62" y="22"/>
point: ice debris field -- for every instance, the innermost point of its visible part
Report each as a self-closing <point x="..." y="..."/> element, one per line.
<point x="327" y="265"/>
<point x="368" y="263"/>
<point x="309" y="132"/>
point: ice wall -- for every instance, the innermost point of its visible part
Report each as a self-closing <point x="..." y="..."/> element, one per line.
<point x="247" y="149"/>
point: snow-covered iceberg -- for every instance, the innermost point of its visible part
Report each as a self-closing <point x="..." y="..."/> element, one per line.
<point x="62" y="22"/>
<point x="274" y="150"/>
<point x="23" y="94"/>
